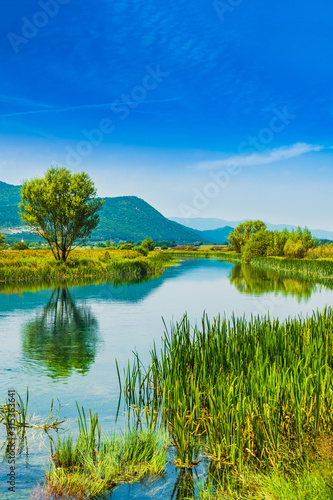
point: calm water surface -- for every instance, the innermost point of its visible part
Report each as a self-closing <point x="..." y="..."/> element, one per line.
<point x="62" y="342"/>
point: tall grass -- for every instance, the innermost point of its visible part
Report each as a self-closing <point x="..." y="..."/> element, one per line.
<point x="253" y="392"/>
<point x="32" y="265"/>
<point x="94" y="465"/>
<point x="319" y="268"/>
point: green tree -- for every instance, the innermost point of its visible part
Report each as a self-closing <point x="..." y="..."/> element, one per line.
<point x="257" y="245"/>
<point x="61" y="207"/>
<point x="148" y="244"/>
<point x="240" y="236"/>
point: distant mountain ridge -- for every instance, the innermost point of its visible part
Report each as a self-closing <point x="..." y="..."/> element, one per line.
<point x="210" y="224"/>
<point x="121" y="218"/>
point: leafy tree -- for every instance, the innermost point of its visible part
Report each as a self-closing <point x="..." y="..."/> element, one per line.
<point x="148" y="244"/>
<point x="298" y="243"/>
<point x="241" y="235"/>
<point x="20" y="245"/>
<point x="257" y="245"/>
<point x="61" y="207"/>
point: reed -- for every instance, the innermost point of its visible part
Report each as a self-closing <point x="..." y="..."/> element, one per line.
<point x="16" y="416"/>
<point x="318" y="268"/>
<point x="94" y="465"/>
<point x="253" y="392"/>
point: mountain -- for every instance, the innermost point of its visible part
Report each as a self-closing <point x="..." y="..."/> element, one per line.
<point x="218" y="236"/>
<point x="131" y="218"/>
<point x="121" y="218"/>
<point x="10" y="197"/>
<point x="201" y="224"/>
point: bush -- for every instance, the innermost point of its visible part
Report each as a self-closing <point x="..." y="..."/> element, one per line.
<point x="148" y="244"/>
<point x="142" y="250"/>
<point x="126" y="246"/>
<point x="20" y="245"/>
<point x="164" y="247"/>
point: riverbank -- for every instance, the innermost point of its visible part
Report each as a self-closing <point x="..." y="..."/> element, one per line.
<point x="316" y="268"/>
<point x="40" y="265"/>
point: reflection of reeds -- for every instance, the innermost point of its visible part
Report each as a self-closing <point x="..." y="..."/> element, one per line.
<point x="257" y="392"/>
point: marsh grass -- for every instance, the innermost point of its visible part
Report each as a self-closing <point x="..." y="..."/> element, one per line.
<point x="255" y="392"/>
<point x="32" y="265"/>
<point x="321" y="268"/>
<point x="94" y="465"/>
<point x="306" y="482"/>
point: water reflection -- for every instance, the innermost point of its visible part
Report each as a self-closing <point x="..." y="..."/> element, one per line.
<point x="63" y="337"/>
<point x="250" y="280"/>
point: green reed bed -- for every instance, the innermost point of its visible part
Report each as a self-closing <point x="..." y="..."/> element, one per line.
<point x="94" y="464"/>
<point x="228" y="256"/>
<point x="36" y="265"/>
<point x="255" y="392"/>
<point x="318" y="268"/>
<point x="311" y="482"/>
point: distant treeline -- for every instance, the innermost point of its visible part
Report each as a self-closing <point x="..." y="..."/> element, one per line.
<point x="252" y="239"/>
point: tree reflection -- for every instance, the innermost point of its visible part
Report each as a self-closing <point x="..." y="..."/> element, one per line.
<point x="63" y="337"/>
<point x="248" y="279"/>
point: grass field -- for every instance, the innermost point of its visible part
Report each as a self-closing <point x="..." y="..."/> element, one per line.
<point x="33" y="265"/>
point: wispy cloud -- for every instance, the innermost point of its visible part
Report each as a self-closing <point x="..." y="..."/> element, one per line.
<point x="22" y="101"/>
<point x="108" y="105"/>
<point x="265" y="158"/>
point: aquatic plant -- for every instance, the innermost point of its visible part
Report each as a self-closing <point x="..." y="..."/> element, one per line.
<point x="94" y="465"/>
<point x="257" y="391"/>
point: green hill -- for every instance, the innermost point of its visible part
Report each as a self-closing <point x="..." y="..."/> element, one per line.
<point x="10" y="196"/>
<point x="129" y="217"/>
<point x="121" y="218"/>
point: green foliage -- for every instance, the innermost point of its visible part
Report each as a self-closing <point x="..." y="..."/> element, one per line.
<point x="148" y="244"/>
<point x="20" y="245"/>
<point x="248" y="393"/>
<point x="164" y="247"/>
<point x="257" y="245"/>
<point x="33" y="265"/>
<point x="240" y="236"/>
<point x="142" y="250"/>
<point x="94" y="465"/>
<point x="126" y="246"/>
<point x="263" y="243"/>
<point x="61" y="207"/>
<point x="298" y="243"/>
<point x="2" y="241"/>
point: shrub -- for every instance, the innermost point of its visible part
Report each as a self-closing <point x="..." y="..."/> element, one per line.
<point x="142" y="250"/>
<point x="149" y="244"/>
<point x="20" y="245"/>
<point x="126" y="246"/>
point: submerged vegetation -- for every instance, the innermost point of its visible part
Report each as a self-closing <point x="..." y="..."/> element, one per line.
<point x="251" y="395"/>
<point x="32" y="265"/>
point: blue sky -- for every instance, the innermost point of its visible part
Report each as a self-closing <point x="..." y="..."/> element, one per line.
<point x="203" y="109"/>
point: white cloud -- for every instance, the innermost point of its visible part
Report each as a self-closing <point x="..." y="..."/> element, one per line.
<point x="264" y="158"/>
